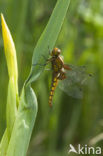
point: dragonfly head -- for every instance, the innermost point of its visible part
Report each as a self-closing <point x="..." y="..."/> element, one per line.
<point x="56" y="52"/>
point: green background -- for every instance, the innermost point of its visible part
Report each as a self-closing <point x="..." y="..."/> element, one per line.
<point x="71" y="121"/>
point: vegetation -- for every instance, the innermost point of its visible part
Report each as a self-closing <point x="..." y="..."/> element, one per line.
<point x="71" y="121"/>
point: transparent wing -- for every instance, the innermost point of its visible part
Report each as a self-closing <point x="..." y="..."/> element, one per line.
<point x="76" y="79"/>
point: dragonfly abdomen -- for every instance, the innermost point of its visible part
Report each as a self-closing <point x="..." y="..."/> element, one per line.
<point x="53" y="87"/>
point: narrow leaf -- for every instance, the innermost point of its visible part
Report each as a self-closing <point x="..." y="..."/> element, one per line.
<point x="11" y="109"/>
<point x="4" y="144"/>
<point x="48" y="39"/>
<point x="12" y="97"/>
<point x="24" y="123"/>
<point x="10" y="52"/>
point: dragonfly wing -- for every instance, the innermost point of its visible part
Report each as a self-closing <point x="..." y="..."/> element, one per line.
<point x="71" y="89"/>
<point x="77" y="74"/>
<point x="76" y="79"/>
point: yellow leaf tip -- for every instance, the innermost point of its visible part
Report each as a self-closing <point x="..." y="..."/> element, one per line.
<point x="2" y="16"/>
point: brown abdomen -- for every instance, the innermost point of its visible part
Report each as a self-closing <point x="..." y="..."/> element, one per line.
<point x="53" y="87"/>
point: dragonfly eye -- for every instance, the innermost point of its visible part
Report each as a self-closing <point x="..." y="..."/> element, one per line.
<point x="56" y="52"/>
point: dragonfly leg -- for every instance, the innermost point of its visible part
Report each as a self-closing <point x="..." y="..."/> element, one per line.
<point x="49" y="50"/>
<point x="45" y="58"/>
<point x="47" y="61"/>
<point x="50" y="59"/>
<point x="49" y="69"/>
<point x="35" y="64"/>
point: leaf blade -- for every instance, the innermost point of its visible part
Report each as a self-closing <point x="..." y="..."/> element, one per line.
<point x="48" y="38"/>
<point x="10" y="54"/>
<point x="24" y="123"/>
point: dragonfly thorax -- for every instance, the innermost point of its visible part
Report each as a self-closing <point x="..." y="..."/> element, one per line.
<point x="57" y="64"/>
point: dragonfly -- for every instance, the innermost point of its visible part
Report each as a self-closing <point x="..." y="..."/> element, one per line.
<point x="71" y="78"/>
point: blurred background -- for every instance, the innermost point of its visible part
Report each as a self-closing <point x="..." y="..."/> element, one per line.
<point x="71" y="121"/>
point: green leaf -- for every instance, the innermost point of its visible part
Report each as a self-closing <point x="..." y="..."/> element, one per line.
<point x="20" y="121"/>
<point x="24" y="123"/>
<point x="4" y="144"/>
<point x="48" y="39"/>
<point x="11" y="109"/>
<point x="10" y="53"/>
<point x="12" y="97"/>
